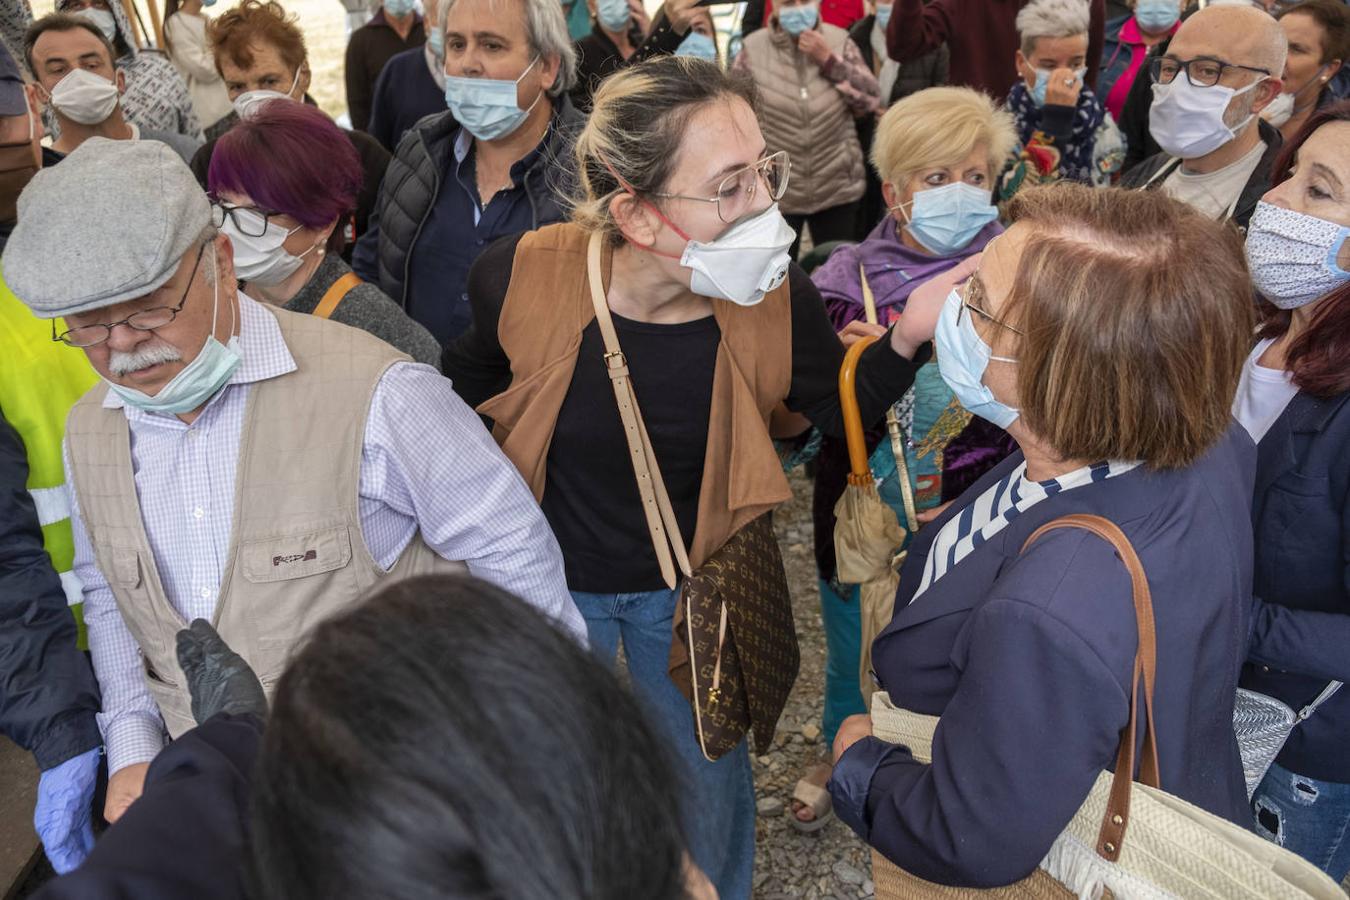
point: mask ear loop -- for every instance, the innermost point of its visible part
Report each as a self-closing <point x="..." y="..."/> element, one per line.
<point x="628" y="189"/>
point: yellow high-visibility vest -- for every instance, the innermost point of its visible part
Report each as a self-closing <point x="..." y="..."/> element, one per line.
<point x="40" y="380"/>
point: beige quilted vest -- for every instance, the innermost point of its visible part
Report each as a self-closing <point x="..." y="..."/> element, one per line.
<point x="802" y="113"/>
<point x="297" y="554"/>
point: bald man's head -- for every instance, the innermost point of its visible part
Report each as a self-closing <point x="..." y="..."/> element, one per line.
<point x="1249" y="42"/>
<point x="1239" y="35"/>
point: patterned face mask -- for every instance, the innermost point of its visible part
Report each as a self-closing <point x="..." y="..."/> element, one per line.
<point x="1293" y="256"/>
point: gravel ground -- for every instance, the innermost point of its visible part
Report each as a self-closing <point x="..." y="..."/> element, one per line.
<point x="833" y="862"/>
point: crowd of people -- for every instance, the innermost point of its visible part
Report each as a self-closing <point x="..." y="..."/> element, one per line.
<point x="339" y="462"/>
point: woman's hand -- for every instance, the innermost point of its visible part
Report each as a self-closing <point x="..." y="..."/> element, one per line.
<point x="814" y="45"/>
<point x="853" y="729"/>
<point x="1063" y="88"/>
<point x="916" y="324"/>
<point x="856" y="331"/>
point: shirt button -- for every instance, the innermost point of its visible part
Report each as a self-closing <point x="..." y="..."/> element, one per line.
<point x="464" y="296"/>
<point x="198" y="512"/>
<point x="480" y="243"/>
<point x="206" y="593"/>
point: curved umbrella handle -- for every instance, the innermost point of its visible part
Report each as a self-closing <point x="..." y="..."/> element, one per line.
<point x="860" y="472"/>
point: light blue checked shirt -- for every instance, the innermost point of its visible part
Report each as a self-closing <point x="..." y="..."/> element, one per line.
<point x="427" y="463"/>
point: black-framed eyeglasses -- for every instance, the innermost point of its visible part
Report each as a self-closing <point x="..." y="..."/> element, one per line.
<point x="248" y="220"/>
<point x="1203" y="71"/>
<point x="736" y="193"/>
<point x="142" y="320"/>
<point x="973" y="295"/>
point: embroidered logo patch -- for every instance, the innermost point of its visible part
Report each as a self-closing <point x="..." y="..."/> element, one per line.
<point x="294" y="557"/>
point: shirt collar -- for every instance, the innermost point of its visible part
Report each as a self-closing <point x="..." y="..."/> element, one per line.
<point x="262" y="348"/>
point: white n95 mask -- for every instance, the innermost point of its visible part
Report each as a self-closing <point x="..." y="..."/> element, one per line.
<point x="745" y="262"/>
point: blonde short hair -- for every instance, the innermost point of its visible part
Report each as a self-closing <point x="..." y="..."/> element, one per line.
<point x="939" y="127"/>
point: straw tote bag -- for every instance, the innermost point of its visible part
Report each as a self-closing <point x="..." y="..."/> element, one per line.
<point x="737" y="627"/>
<point x="1129" y="839"/>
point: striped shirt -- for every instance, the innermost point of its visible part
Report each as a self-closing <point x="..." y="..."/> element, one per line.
<point x="427" y="464"/>
<point x="998" y="506"/>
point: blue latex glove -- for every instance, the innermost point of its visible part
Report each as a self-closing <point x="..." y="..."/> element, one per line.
<point x="64" y="807"/>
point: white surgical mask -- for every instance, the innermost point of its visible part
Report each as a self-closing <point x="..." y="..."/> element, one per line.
<point x="248" y="103"/>
<point x="83" y="97"/>
<point x="101" y="19"/>
<point x="262" y="259"/>
<point x="745" y="262"/>
<point x="1279" y="110"/>
<point x="1188" y="121"/>
<point x="1293" y="256"/>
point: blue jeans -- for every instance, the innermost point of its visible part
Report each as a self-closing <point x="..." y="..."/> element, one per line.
<point x="1307" y="816"/>
<point x="719" y="797"/>
<point x="843" y="645"/>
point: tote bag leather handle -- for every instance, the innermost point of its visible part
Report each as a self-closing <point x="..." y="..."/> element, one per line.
<point x="1117" y="817"/>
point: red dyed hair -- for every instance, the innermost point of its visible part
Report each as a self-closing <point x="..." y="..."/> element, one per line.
<point x="1319" y="358"/>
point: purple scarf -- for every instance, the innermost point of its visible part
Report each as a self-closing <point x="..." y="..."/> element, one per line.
<point x="893" y="270"/>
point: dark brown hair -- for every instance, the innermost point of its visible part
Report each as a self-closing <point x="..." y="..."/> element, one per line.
<point x="61" y="22"/>
<point x="1333" y="18"/>
<point x="232" y="35"/>
<point x="1318" y="359"/>
<point x="1136" y="315"/>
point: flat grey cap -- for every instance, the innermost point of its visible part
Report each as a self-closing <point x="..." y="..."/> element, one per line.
<point x="110" y="223"/>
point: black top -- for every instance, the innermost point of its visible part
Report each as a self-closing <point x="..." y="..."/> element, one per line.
<point x="606" y="545"/>
<point x="370" y="47"/>
<point x="598" y="57"/>
<point x="591" y="498"/>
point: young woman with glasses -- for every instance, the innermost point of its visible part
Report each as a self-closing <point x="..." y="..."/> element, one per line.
<point x="717" y="329"/>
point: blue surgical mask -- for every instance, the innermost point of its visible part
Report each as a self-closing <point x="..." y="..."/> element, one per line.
<point x="796" y="19"/>
<point x="697" y="45"/>
<point x="1156" y="16"/>
<point x="487" y="107"/>
<point x="946" y="219"/>
<point x="962" y="357"/>
<point x="614" y="15"/>
<point x="883" y="15"/>
<point x="436" y="41"/>
<point x="1043" y="82"/>
<point x="398" y="8"/>
<point x="199" y="380"/>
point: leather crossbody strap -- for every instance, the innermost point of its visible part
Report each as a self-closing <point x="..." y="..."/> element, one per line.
<point x="892" y="420"/>
<point x="333" y="296"/>
<point x="1117" y="816"/>
<point x="661" y="522"/>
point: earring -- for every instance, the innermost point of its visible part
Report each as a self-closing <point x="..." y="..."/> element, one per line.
<point x="322" y="251"/>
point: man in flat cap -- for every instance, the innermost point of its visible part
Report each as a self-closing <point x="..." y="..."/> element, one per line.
<point x="256" y="468"/>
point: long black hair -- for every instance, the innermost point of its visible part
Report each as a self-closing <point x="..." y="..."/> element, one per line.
<point x="445" y="740"/>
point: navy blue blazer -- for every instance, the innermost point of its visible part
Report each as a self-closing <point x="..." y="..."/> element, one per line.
<point x="1301" y="621"/>
<point x="1027" y="658"/>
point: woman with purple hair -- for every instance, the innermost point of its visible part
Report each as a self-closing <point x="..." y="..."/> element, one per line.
<point x="284" y="183"/>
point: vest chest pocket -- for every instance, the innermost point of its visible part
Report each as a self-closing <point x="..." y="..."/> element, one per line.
<point x="296" y="556"/>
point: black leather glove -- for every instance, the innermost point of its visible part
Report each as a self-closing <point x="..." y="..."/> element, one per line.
<point x="217" y="677"/>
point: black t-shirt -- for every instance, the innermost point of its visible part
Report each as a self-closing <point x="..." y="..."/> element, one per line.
<point x="591" y="498"/>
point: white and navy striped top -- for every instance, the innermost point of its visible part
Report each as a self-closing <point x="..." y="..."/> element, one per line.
<point x="999" y="505"/>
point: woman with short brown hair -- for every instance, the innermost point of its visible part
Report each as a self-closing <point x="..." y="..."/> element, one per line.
<point x="1105" y="331"/>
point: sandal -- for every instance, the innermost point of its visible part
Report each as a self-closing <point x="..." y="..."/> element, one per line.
<point x="810" y="792"/>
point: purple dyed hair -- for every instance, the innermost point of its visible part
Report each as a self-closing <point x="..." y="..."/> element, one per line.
<point x="290" y="158"/>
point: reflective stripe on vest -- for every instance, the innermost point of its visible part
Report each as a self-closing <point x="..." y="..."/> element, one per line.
<point x="53" y="504"/>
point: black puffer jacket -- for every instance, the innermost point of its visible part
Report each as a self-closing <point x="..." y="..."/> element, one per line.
<point x="413" y="182"/>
